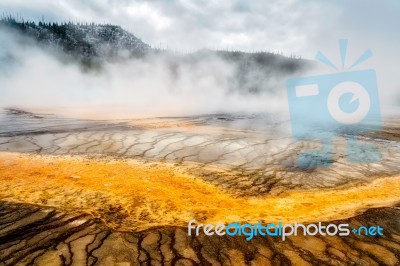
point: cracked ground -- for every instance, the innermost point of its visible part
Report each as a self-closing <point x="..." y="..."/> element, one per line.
<point x="86" y="192"/>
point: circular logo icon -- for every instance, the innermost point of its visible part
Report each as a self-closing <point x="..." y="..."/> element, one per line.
<point x="359" y="95"/>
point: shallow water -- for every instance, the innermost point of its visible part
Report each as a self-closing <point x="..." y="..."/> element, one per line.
<point x="157" y="174"/>
<point x="248" y="154"/>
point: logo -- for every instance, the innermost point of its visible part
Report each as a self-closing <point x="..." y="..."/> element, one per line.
<point x="280" y="230"/>
<point x="343" y="104"/>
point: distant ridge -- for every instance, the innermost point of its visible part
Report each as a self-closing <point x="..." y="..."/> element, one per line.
<point x="92" y="44"/>
<point x="83" y="40"/>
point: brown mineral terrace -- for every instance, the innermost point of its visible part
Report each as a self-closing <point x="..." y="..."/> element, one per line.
<point x="32" y="235"/>
<point x="87" y="192"/>
<point x="131" y="195"/>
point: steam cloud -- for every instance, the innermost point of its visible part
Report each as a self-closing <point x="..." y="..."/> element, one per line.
<point x="37" y="80"/>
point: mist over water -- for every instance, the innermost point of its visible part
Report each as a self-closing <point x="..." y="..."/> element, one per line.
<point x="41" y="78"/>
<point x="36" y="79"/>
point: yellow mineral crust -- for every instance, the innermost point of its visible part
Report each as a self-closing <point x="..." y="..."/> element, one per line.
<point x="132" y="195"/>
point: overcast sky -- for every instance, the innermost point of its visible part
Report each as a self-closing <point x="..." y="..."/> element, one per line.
<point x="301" y="27"/>
<point x="291" y="26"/>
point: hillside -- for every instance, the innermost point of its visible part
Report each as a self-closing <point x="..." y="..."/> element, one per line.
<point x="85" y="41"/>
<point x="92" y="44"/>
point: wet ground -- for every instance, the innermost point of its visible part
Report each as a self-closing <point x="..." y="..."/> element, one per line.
<point x="31" y="235"/>
<point x="234" y="158"/>
<point x="248" y="154"/>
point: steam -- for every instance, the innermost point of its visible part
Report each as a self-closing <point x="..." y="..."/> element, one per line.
<point x="154" y="86"/>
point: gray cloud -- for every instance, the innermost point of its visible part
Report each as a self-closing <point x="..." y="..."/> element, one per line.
<point x="188" y="25"/>
<point x="290" y="26"/>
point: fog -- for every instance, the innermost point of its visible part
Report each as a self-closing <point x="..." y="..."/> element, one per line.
<point x="148" y="88"/>
<point x="38" y="80"/>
